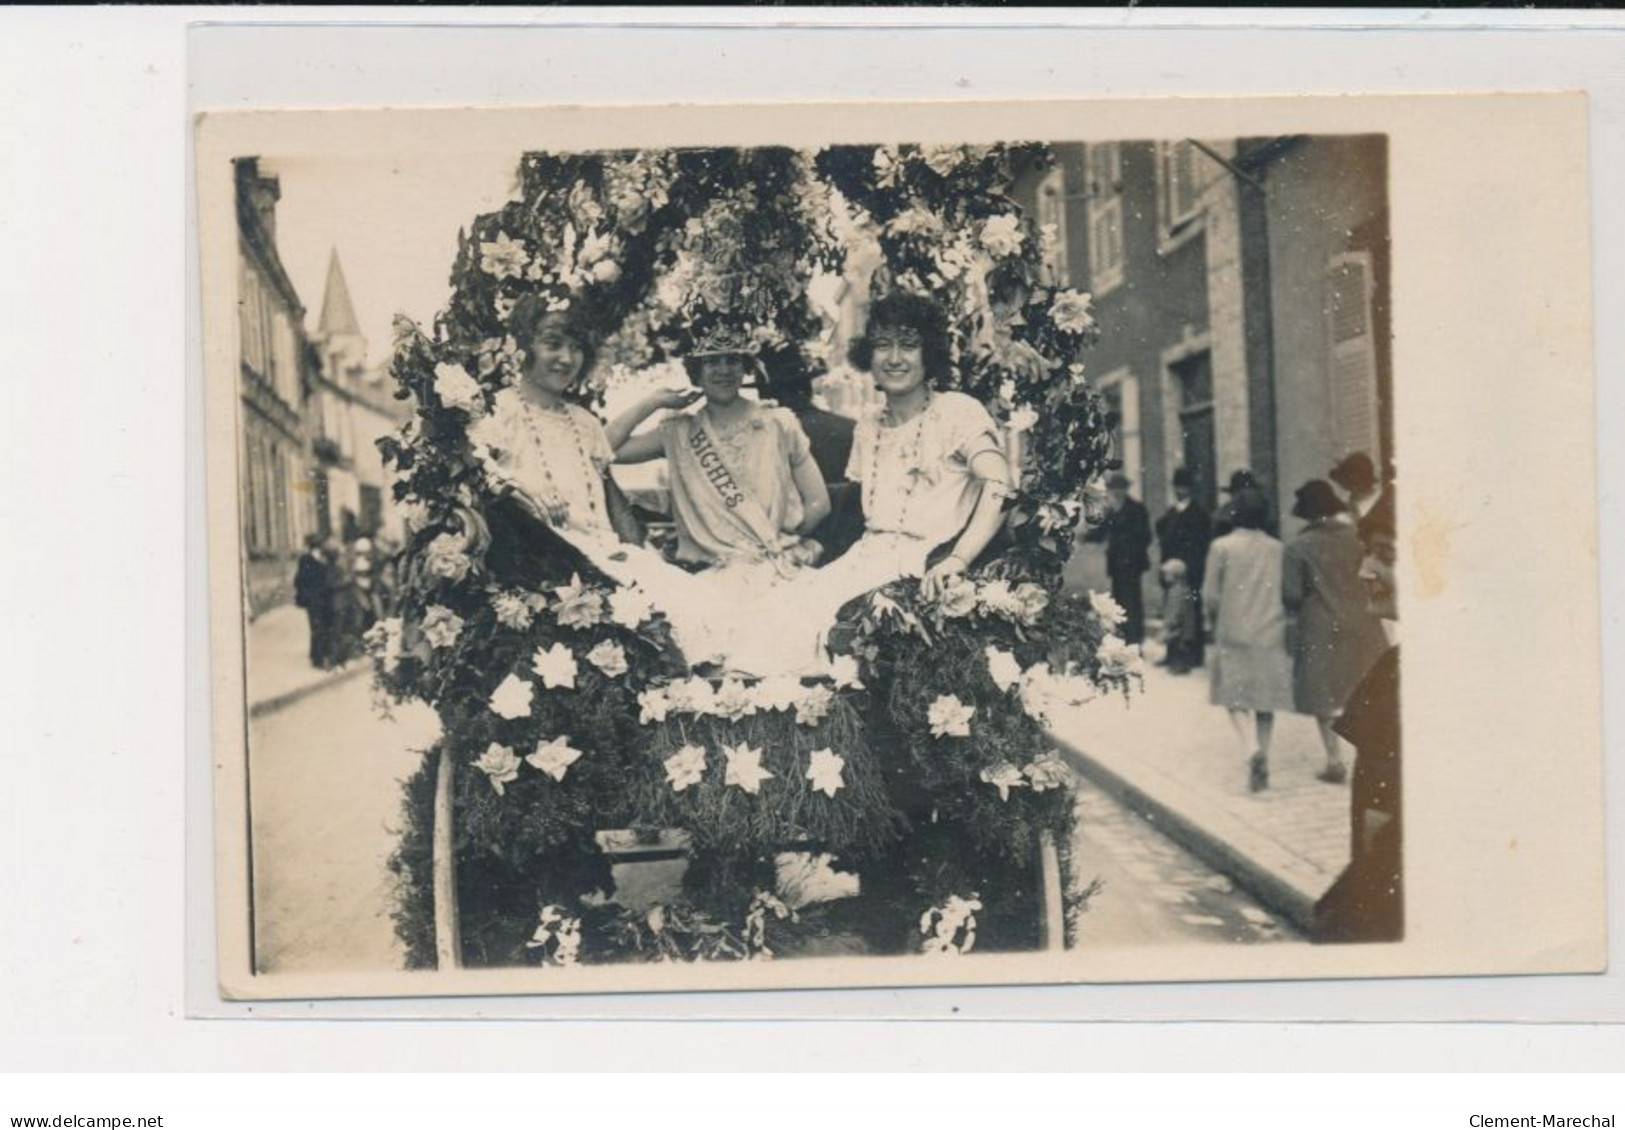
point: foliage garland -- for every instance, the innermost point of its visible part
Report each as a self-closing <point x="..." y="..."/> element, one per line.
<point x="653" y="247"/>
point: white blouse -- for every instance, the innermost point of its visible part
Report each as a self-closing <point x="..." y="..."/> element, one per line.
<point x="917" y="476"/>
<point x="554" y="456"/>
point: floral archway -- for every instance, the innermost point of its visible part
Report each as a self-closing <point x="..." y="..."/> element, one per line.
<point x="921" y="761"/>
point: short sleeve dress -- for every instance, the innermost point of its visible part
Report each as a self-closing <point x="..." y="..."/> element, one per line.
<point x="763" y="455"/>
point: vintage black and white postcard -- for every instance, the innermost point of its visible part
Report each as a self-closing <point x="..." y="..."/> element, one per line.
<point x="896" y="544"/>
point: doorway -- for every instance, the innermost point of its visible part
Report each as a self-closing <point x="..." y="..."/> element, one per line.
<point x="1193" y="378"/>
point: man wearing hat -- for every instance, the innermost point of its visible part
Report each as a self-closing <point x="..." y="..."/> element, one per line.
<point x="1127" y="534"/>
<point x="1239" y="481"/>
<point x="1183" y="534"/>
<point x="1355" y="477"/>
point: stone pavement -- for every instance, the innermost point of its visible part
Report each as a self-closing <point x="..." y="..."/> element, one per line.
<point x="279" y="670"/>
<point x="1174" y="758"/>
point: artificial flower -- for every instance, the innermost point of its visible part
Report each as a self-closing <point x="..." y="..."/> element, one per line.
<point x="1053" y="516"/>
<point x="761" y="906"/>
<point x="512" y="698"/>
<point x="1107" y="609"/>
<point x="1002" y="667"/>
<point x="1023" y="418"/>
<point x="1047" y="771"/>
<point x="949" y="717"/>
<point x="813" y="704"/>
<point x="942" y="159"/>
<point x="561" y="932"/>
<point x="441" y="626"/>
<point x="1033" y="600"/>
<point x="383" y="642"/>
<point x="824" y="771"/>
<point x="1070" y="312"/>
<point x="950" y="929"/>
<point x="503" y="258"/>
<point x="843" y="672"/>
<point x="693" y="695"/>
<point x="630" y="606"/>
<point x="503" y="305"/>
<point x="444" y="558"/>
<point x="653" y="705"/>
<point x="958" y="597"/>
<point x="685" y="767"/>
<point x="733" y="701"/>
<point x="457" y="390"/>
<point x="998" y="598"/>
<point x="499" y="764"/>
<point x="554" y="757"/>
<point x="606" y="271"/>
<point x="887" y="167"/>
<point x="779" y="692"/>
<point x="610" y="658"/>
<point x="580" y="605"/>
<point x="1002" y="235"/>
<point x="915" y="219"/>
<point x="1004" y="777"/>
<point x="512" y="610"/>
<point x="556" y="665"/>
<point x="1117" y="658"/>
<point x="745" y="767"/>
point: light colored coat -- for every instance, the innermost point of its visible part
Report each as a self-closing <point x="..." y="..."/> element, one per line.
<point x="1241" y="595"/>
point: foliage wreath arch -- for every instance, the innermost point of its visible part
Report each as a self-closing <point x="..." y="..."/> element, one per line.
<point x="565" y="708"/>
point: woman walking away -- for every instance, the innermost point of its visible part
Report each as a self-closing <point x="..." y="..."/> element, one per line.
<point x="1331" y="632"/>
<point x="1241" y="595"/>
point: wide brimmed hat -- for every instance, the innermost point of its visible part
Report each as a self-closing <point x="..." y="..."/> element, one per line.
<point x="1242" y="480"/>
<point x="1354" y="471"/>
<point x="724" y="341"/>
<point x="1316" y="499"/>
<point x="1184" y="478"/>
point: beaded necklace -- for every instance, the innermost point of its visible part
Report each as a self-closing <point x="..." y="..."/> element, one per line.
<point x="910" y="461"/>
<point x="532" y="414"/>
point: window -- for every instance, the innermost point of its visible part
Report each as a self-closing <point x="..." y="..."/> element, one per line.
<point x="1121" y="391"/>
<point x="1104" y="169"/>
<point x="1052" y="222"/>
<point x="248" y="319"/>
<point x="1352" y="364"/>
<point x="1184" y="173"/>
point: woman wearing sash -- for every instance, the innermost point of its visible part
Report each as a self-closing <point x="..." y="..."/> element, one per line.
<point x="931" y="464"/>
<point x="548" y="455"/>
<point x="745" y="493"/>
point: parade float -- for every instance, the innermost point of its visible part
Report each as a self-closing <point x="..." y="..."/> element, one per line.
<point x="576" y="736"/>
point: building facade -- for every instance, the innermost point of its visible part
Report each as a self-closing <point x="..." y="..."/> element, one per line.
<point x="274" y="380"/>
<point x="351" y="409"/>
<point x="1241" y="287"/>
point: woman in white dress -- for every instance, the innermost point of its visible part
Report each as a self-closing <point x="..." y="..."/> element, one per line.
<point x="931" y="465"/>
<point x="550" y="456"/>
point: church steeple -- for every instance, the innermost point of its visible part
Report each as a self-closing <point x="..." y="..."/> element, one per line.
<point x="339" y="330"/>
<point x="338" y="314"/>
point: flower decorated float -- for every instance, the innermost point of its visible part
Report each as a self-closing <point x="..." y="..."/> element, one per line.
<point x="575" y="726"/>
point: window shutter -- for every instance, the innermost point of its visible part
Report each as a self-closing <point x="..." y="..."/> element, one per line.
<point x="1353" y="360"/>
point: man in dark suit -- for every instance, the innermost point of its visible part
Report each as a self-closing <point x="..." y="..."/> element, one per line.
<point x="1183" y="534"/>
<point x="1127" y="534"/>
<point x="829" y="436"/>
<point x="313" y="591"/>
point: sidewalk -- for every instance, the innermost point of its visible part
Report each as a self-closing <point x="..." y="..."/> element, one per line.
<point x="279" y="670"/>
<point x="1173" y="757"/>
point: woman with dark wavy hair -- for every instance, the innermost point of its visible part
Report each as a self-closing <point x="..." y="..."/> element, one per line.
<point x="931" y="463"/>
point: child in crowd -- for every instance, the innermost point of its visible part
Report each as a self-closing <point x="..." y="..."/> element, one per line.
<point x="1178" y="621"/>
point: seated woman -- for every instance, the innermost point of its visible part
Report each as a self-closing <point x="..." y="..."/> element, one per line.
<point x="549" y="456"/>
<point x="931" y="465"/>
<point x="744" y="486"/>
<point x="745" y="493"/>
